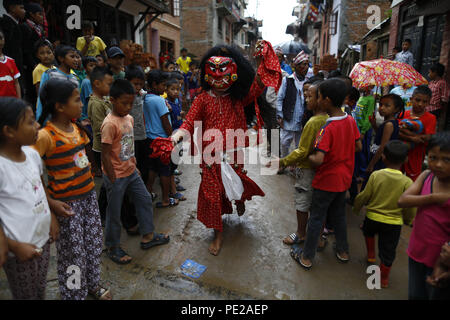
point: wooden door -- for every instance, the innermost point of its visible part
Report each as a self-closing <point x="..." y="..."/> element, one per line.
<point x="431" y="48"/>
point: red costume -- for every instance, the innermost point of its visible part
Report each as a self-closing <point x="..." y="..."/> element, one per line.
<point x="221" y="113"/>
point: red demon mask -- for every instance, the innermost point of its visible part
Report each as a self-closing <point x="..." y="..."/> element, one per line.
<point x="220" y="72"/>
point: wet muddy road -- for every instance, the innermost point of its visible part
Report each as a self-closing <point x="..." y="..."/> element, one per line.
<point x="253" y="263"/>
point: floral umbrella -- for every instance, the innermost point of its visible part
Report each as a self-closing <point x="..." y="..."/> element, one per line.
<point x="383" y="72"/>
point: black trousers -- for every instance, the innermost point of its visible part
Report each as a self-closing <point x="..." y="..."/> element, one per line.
<point x="388" y="237"/>
<point x="142" y="151"/>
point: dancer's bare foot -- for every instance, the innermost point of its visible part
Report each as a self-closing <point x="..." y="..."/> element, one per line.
<point x="216" y="245"/>
<point x="240" y="206"/>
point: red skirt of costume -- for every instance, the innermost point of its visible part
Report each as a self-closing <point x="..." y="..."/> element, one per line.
<point x="212" y="199"/>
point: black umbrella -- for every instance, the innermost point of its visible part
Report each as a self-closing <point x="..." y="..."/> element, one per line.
<point x="293" y="47"/>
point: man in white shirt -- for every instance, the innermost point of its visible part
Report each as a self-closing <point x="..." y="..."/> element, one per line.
<point x="405" y="56"/>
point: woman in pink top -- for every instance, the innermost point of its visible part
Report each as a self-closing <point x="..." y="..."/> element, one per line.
<point x="431" y="194"/>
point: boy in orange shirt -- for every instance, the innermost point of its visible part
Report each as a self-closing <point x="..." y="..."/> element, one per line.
<point x="120" y="175"/>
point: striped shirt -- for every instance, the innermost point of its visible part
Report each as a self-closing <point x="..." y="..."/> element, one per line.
<point x="64" y="155"/>
<point x="440" y="94"/>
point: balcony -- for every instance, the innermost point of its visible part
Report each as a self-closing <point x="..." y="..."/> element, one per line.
<point x="228" y="8"/>
<point x="160" y="6"/>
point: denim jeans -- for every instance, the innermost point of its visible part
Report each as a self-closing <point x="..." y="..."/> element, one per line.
<point x="138" y="195"/>
<point x="418" y="288"/>
<point x="326" y="203"/>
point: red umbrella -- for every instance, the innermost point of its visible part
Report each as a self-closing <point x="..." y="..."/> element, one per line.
<point x="384" y="72"/>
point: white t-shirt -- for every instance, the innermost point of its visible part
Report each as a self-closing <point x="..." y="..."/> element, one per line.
<point x="24" y="211"/>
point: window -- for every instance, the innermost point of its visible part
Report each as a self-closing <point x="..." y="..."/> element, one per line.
<point x="333" y="23"/>
<point x="167" y="45"/>
<point x="175" y="8"/>
<point x="219" y="25"/>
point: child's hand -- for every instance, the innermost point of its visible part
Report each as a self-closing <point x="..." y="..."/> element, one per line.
<point x="26" y="251"/>
<point x="112" y="179"/>
<point x="54" y="229"/>
<point x="445" y="255"/>
<point x="273" y="163"/>
<point x="369" y="170"/>
<point x="85" y="122"/>
<point x="3" y="250"/>
<point x="440" y="276"/>
<point x="61" y="209"/>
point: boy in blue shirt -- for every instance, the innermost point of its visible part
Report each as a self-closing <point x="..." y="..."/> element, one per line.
<point x="89" y="63"/>
<point x="158" y="125"/>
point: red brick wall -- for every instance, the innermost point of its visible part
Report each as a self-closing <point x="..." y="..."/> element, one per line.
<point x="196" y="33"/>
<point x="356" y="16"/>
<point x="445" y="49"/>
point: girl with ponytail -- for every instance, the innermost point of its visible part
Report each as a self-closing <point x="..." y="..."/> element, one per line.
<point x="62" y="145"/>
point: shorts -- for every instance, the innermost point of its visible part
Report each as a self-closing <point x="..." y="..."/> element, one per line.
<point x="155" y="164"/>
<point x="303" y="186"/>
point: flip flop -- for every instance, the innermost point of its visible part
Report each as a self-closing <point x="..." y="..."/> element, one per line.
<point x="172" y="203"/>
<point x="158" y="239"/>
<point x="100" y="293"/>
<point x="178" y="196"/>
<point x="296" y="254"/>
<point x="295" y="239"/>
<point x="340" y="259"/>
<point x="116" y="253"/>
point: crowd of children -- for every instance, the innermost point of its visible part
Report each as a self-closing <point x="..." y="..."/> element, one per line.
<point x="386" y="161"/>
<point x="95" y="120"/>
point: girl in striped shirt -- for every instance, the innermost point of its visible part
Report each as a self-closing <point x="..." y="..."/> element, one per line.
<point x="61" y="144"/>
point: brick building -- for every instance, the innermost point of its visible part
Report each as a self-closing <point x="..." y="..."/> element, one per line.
<point x="329" y="27"/>
<point x="427" y="24"/>
<point x="206" y="23"/>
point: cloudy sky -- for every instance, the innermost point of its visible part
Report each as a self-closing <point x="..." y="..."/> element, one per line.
<point x="276" y="15"/>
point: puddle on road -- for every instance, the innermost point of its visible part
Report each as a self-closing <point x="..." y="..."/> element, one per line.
<point x="178" y="286"/>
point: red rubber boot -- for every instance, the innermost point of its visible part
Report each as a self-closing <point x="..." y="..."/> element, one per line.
<point x="370" y="244"/>
<point x="384" y="275"/>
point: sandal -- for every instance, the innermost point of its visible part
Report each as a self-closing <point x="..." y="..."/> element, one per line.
<point x="177" y="172"/>
<point x="172" y="203"/>
<point x="295" y="239"/>
<point x="338" y="256"/>
<point x="325" y="242"/>
<point x="158" y="239"/>
<point x="296" y="254"/>
<point x="116" y="253"/>
<point x="178" y="196"/>
<point x="181" y="188"/>
<point x="177" y="180"/>
<point x="100" y="293"/>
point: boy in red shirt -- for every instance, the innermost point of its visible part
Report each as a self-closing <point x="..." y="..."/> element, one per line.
<point x="334" y="158"/>
<point x="9" y="74"/>
<point x="416" y="128"/>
